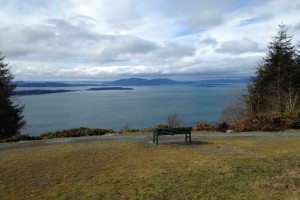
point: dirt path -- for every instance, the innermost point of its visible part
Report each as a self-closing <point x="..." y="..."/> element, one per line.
<point x="148" y="138"/>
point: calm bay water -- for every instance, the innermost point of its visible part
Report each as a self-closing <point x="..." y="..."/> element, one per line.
<point x="143" y="107"/>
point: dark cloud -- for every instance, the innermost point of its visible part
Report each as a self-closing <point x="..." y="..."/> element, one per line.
<point x="195" y="14"/>
<point x="297" y="27"/>
<point x="238" y="47"/>
<point x="59" y="39"/>
<point x="64" y="29"/>
<point x="209" y="41"/>
<point x="125" y="48"/>
<point x="173" y="50"/>
<point x="84" y="21"/>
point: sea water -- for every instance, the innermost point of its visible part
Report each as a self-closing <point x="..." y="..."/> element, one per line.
<point x="142" y="107"/>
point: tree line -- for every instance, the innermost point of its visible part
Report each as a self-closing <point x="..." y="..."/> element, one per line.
<point x="274" y="91"/>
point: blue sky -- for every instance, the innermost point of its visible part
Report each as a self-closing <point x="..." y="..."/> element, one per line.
<point x="104" y="39"/>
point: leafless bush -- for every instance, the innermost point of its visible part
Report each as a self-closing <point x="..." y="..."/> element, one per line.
<point x="236" y="109"/>
<point x="173" y="120"/>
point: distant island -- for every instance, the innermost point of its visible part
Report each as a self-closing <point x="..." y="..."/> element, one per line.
<point x="40" y="92"/>
<point x="109" y="88"/>
<point x="53" y="84"/>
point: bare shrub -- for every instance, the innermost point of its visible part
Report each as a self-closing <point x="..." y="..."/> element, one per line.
<point x="173" y="120"/>
<point x="263" y="122"/>
<point x="221" y="127"/>
<point x="203" y="127"/>
<point x="162" y="126"/>
<point x="125" y="128"/>
<point x="237" y="108"/>
<point x="75" y="132"/>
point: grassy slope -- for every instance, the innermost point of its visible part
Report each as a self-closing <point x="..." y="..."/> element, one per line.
<point x="210" y="169"/>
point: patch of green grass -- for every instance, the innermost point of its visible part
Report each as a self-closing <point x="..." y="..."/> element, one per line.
<point x="211" y="169"/>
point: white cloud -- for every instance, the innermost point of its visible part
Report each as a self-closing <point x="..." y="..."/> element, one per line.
<point x="73" y="38"/>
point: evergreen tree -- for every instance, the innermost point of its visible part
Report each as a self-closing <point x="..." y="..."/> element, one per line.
<point x="11" y="118"/>
<point x="275" y="87"/>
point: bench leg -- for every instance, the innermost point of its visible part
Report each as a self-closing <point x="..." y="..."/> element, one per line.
<point x="155" y="138"/>
<point x="188" y="136"/>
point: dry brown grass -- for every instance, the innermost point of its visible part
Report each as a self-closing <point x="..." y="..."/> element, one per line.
<point x="210" y="169"/>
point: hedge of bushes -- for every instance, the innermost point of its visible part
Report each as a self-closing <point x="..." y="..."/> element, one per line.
<point x="255" y="123"/>
<point x="221" y="127"/>
<point x="266" y="123"/>
<point x="76" y="132"/>
<point x="20" y="137"/>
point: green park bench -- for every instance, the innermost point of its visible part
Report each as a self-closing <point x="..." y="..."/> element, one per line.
<point x="172" y="131"/>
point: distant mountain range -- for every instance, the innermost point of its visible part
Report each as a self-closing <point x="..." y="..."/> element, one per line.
<point x="165" y="81"/>
<point x="146" y="82"/>
<point x="133" y="82"/>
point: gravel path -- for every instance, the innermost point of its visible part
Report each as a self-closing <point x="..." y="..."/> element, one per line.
<point x="177" y="139"/>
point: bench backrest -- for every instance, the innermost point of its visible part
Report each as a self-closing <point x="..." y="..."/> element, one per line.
<point x="173" y="131"/>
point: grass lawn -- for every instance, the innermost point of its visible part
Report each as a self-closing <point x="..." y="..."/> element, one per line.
<point x="207" y="169"/>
